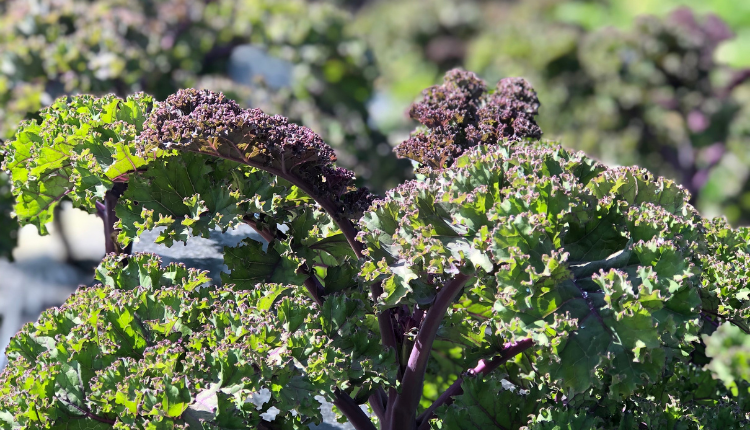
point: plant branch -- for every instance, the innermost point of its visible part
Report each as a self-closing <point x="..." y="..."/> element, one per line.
<point x="385" y="322"/>
<point x="86" y="413"/>
<point x="742" y="327"/>
<point x="378" y="402"/>
<point x="510" y="350"/>
<point x="106" y="211"/>
<point x="265" y="234"/>
<point x="352" y="411"/>
<point x="404" y="407"/>
<point x="388" y="339"/>
<point x="312" y="288"/>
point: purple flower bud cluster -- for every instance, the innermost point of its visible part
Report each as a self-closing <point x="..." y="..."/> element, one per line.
<point x="206" y="122"/>
<point x="460" y="114"/>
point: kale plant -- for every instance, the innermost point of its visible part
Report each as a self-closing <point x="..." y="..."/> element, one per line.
<point x="513" y="284"/>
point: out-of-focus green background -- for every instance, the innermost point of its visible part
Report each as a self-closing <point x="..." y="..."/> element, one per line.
<point x="623" y="86"/>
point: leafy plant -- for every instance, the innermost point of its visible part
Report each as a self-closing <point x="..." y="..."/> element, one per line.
<point x="513" y="284"/>
<point x="654" y="96"/>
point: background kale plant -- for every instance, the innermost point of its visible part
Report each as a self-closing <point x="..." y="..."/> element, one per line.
<point x="513" y="284"/>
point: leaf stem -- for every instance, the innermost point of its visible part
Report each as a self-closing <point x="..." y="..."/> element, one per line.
<point x="387" y="339"/>
<point x="265" y="234"/>
<point x="385" y="322"/>
<point x="352" y="411"/>
<point x="312" y="288"/>
<point x="404" y="407"/>
<point x="86" y="413"/>
<point x="725" y="318"/>
<point x="510" y="350"/>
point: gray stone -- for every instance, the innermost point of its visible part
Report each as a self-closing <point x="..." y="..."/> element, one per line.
<point x="200" y="253"/>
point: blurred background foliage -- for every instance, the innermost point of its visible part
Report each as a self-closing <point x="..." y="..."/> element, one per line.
<point x="658" y="83"/>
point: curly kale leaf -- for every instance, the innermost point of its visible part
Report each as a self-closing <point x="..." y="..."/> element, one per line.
<point x="153" y="346"/>
<point x="81" y="147"/>
<point x="208" y="123"/>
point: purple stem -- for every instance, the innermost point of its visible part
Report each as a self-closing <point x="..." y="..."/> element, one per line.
<point x="510" y="350"/>
<point x="87" y="413"/>
<point x="265" y="234"/>
<point x="404" y="408"/>
<point x="709" y="319"/>
<point x="106" y="211"/>
<point x="314" y="290"/>
<point x="378" y="400"/>
<point x="352" y="411"/>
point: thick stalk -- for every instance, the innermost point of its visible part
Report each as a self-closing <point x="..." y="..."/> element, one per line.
<point x="352" y="411"/>
<point x="402" y="414"/>
<point x="385" y="322"/>
<point x="510" y="350"/>
<point x="377" y="402"/>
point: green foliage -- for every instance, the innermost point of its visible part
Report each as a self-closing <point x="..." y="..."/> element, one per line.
<point x="476" y="409"/>
<point x="152" y="348"/>
<point x="79" y="150"/>
<point x="513" y="284"/>
<point x="559" y="251"/>
<point x="728" y="347"/>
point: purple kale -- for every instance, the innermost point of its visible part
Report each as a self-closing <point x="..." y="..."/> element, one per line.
<point x="703" y="37"/>
<point x="454" y="103"/>
<point x="460" y="114"/>
<point x="206" y="122"/>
